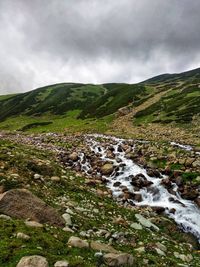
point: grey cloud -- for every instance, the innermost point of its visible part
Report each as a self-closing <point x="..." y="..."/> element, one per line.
<point x="95" y="41"/>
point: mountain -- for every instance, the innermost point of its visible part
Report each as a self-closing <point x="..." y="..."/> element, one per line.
<point x="179" y="101"/>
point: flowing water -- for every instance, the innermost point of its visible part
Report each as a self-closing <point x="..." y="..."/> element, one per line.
<point x="185" y="212"/>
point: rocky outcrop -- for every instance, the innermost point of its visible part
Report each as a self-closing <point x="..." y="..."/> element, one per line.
<point x="22" y="204"/>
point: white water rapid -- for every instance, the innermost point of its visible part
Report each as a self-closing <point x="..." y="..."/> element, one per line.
<point x="184" y="212"/>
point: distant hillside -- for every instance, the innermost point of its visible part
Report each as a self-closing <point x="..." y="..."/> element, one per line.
<point x="179" y="101"/>
<point x="91" y="100"/>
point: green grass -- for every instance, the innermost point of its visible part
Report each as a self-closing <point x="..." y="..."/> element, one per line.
<point x="68" y="122"/>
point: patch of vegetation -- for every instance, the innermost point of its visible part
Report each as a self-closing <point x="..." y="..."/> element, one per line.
<point x="35" y="124"/>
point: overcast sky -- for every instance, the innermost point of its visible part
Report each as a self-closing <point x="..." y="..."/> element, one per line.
<point x="95" y="41"/>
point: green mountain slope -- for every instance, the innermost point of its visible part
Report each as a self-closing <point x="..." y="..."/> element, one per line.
<point x="181" y="103"/>
<point x="91" y="100"/>
<point x="87" y="102"/>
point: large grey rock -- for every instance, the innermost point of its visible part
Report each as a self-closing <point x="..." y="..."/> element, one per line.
<point x="33" y="261"/>
<point x="67" y="219"/>
<point x="116" y="260"/>
<point x="77" y="242"/>
<point x="145" y="222"/>
<point x="102" y="247"/>
<point x="22" y="204"/>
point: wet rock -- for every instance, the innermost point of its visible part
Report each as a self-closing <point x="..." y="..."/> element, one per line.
<point x="137" y="197"/>
<point x="158" y="210"/>
<point x="197" y="201"/>
<point x="153" y="173"/>
<point x="116" y="184"/>
<point x="107" y="169"/>
<point x="33" y="261"/>
<point x="115" y="260"/>
<point x="22" y="204"/>
<point x="166" y="182"/>
<point x="77" y="242"/>
<point x="140" y="181"/>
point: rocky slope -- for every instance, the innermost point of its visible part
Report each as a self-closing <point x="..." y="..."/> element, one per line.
<point x="98" y="230"/>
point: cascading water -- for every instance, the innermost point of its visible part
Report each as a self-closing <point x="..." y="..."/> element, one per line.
<point x="184" y="212"/>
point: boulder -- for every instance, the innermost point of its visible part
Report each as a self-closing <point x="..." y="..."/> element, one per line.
<point x="22" y="236"/>
<point x="22" y="204"/>
<point x="145" y="222"/>
<point x="107" y="169"/>
<point x="102" y="247"/>
<point x="115" y="260"/>
<point x="76" y="242"/>
<point x="33" y="261"/>
<point x="73" y="156"/>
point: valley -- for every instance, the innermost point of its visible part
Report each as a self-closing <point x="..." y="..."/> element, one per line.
<point x="117" y="166"/>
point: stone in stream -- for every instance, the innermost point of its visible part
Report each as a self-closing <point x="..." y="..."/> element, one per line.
<point x="116" y="184"/>
<point x="107" y="169"/>
<point x="197" y="201"/>
<point x="33" y="261"/>
<point x="22" y="204"/>
<point x="153" y="173"/>
<point x="140" y="181"/>
<point x="73" y="156"/>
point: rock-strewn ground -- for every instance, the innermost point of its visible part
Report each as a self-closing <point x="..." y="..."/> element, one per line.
<point x="125" y="235"/>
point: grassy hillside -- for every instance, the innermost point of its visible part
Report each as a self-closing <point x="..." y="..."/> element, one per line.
<point x="180" y="104"/>
<point x="87" y="106"/>
<point x="67" y="105"/>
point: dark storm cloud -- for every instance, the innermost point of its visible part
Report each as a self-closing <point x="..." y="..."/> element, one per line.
<point x="47" y="41"/>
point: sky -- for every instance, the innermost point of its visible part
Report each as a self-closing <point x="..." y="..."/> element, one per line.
<point x="95" y="41"/>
